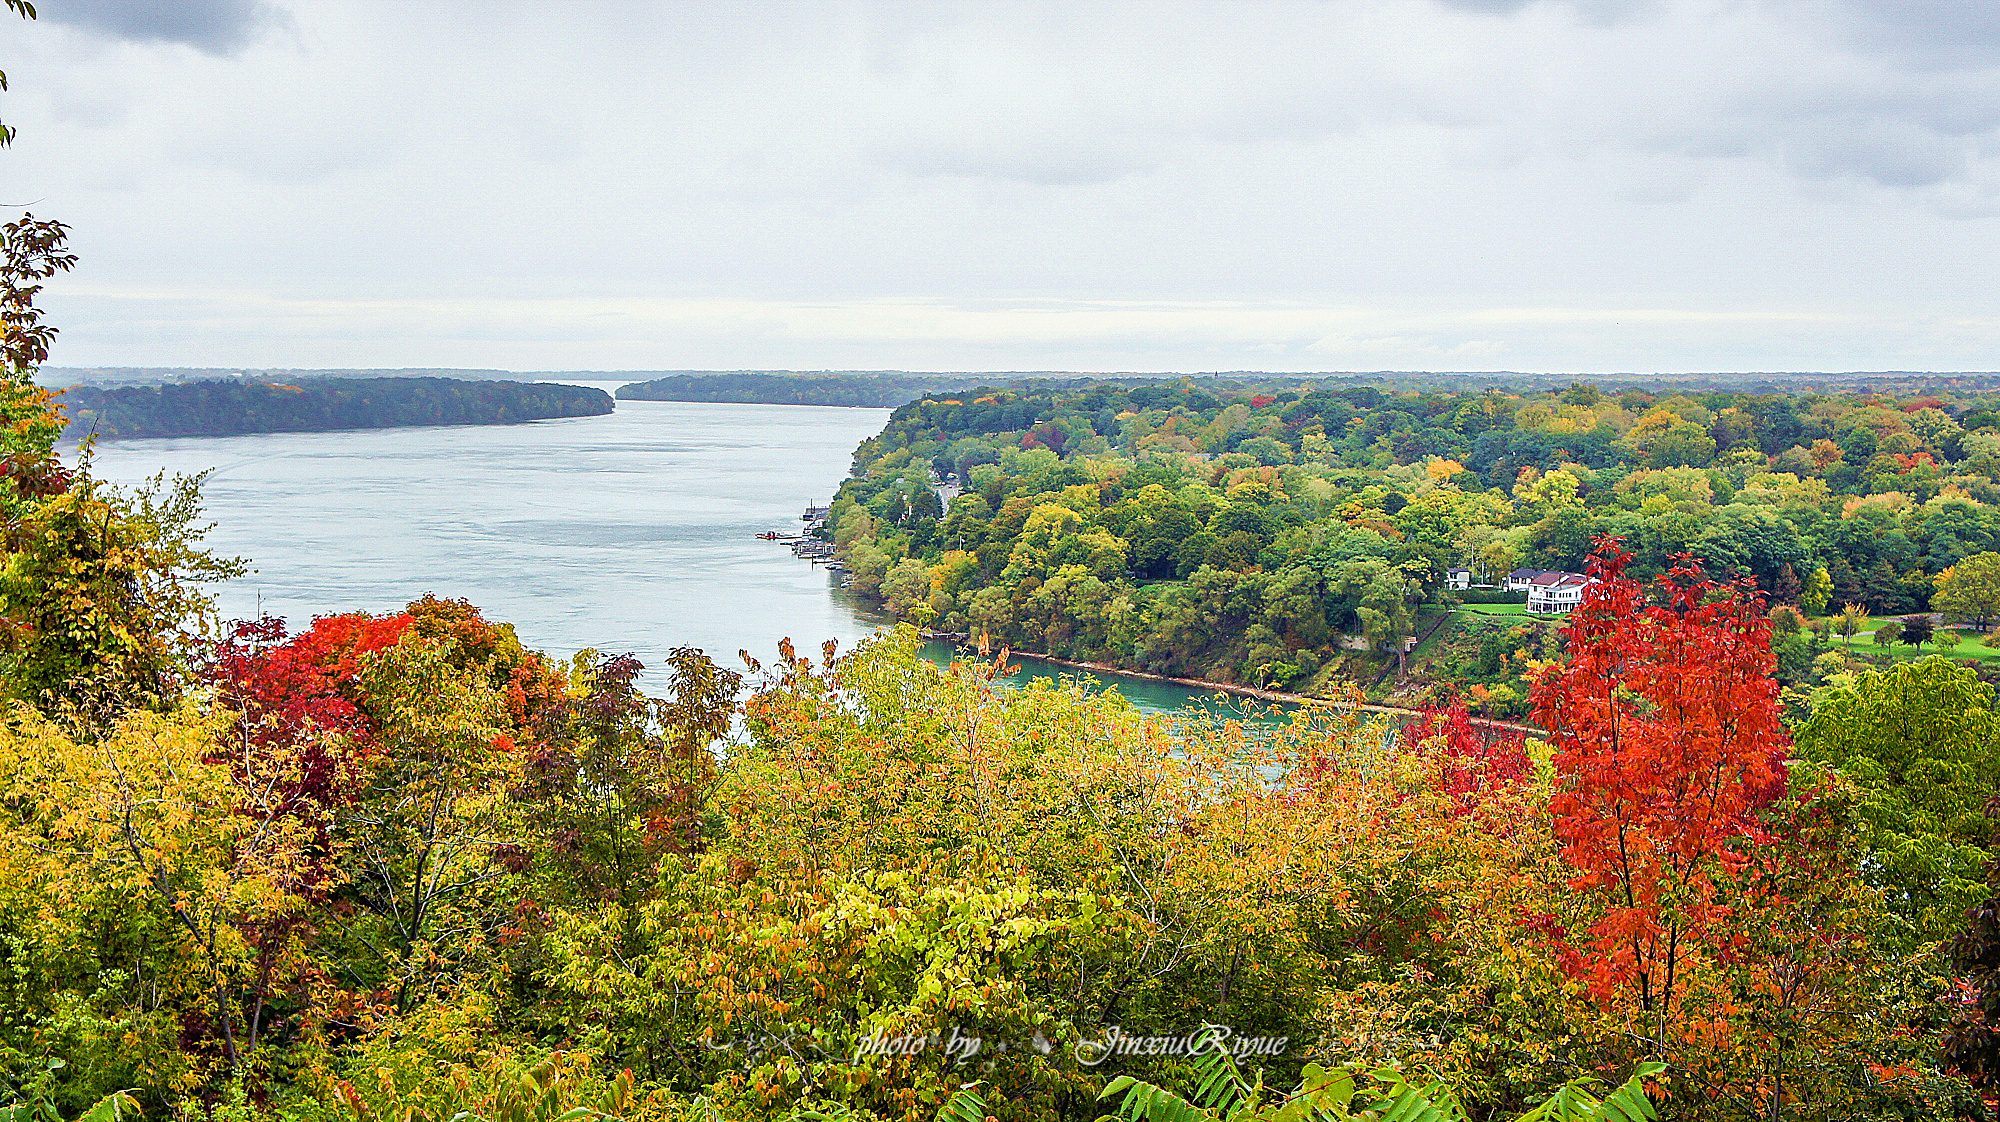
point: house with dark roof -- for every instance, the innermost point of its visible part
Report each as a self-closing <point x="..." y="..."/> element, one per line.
<point x="1556" y="593"/>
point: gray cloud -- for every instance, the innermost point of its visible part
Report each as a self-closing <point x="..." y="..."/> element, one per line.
<point x="1205" y="184"/>
<point x="1971" y="26"/>
<point x="1907" y="139"/>
<point x="216" y="26"/>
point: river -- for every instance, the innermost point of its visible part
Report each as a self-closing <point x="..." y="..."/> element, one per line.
<point x="629" y="532"/>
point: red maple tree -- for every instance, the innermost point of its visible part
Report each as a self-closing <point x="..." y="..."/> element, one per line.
<point x="286" y="687"/>
<point x="1474" y="759"/>
<point x="299" y="734"/>
<point x="1669" y="743"/>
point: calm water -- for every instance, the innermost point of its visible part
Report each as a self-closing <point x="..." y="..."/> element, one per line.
<point x="1143" y="693"/>
<point x="631" y="532"/>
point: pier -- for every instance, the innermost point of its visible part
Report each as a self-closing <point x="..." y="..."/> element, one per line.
<point x="810" y="545"/>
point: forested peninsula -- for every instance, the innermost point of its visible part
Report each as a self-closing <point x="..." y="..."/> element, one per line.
<point x="234" y="407"/>
<point x="1302" y="538"/>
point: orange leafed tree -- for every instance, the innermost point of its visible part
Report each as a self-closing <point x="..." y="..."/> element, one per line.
<point x="1666" y="726"/>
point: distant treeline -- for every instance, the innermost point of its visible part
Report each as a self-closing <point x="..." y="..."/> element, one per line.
<point x="878" y="389"/>
<point x="872" y="390"/>
<point x="228" y="408"/>
<point x="57" y="376"/>
<point x="1899" y="383"/>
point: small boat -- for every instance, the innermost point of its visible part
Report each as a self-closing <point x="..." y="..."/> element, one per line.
<point x="776" y="536"/>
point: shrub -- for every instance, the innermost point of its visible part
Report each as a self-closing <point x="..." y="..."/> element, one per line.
<point x="1490" y="596"/>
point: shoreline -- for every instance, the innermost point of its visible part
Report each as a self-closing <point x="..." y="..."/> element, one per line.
<point x="1278" y="696"/>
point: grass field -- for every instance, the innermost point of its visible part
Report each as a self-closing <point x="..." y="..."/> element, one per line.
<point x="1499" y="610"/>
<point x="1973" y="647"/>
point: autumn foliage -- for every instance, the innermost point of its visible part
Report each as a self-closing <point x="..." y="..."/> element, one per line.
<point x="1669" y="744"/>
<point x="392" y="854"/>
<point x="1475" y="760"/>
<point x="289" y="689"/>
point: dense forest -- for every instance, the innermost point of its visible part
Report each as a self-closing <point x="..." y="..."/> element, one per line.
<point x="879" y="390"/>
<point x="1295" y="537"/>
<point x="405" y="868"/>
<point x="228" y="408"/>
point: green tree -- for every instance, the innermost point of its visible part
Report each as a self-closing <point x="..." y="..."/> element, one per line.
<point x="1818" y="590"/>
<point x="1888" y="633"/>
<point x="1437" y="517"/>
<point x="118" y="1106"/>
<point x="1682" y="445"/>
<point x="906" y="586"/>
<point x="98" y="589"/>
<point x="1379" y="597"/>
<point x="1970" y="590"/>
<point x="1851" y="620"/>
<point x="1917" y="742"/>
<point x="101" y="596"/>
<point x="626" y="787"/>
<point x="1561" y="540"/>
<point x="422" y="839"/>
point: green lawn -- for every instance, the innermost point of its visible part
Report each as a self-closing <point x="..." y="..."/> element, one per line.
<point x="1504" y="610"/>
<point x="1972" y="647"/>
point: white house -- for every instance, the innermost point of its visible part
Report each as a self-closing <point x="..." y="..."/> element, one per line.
<point x="1555" y="593"/>
<point x="1458" y="579"/>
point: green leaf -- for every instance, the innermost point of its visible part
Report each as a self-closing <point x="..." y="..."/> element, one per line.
<point x="965" y="1105"/>
<point x="1116" y="1087"/>
<point x="118" y="1106"/>
<point x="1630" y="1103"/>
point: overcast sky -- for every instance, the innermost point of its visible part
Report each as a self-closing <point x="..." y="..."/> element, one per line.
<point x="1563" y="185"/>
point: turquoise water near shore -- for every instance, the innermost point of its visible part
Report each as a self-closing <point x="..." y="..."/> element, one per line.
<point x="629" y="532"/>
<point x="1143" y="693"/>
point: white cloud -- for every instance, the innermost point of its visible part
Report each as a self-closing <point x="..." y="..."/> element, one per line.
<point x="1022" y="185"/>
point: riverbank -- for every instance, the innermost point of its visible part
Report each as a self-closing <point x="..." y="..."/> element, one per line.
<point x="1276" y="697"/>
